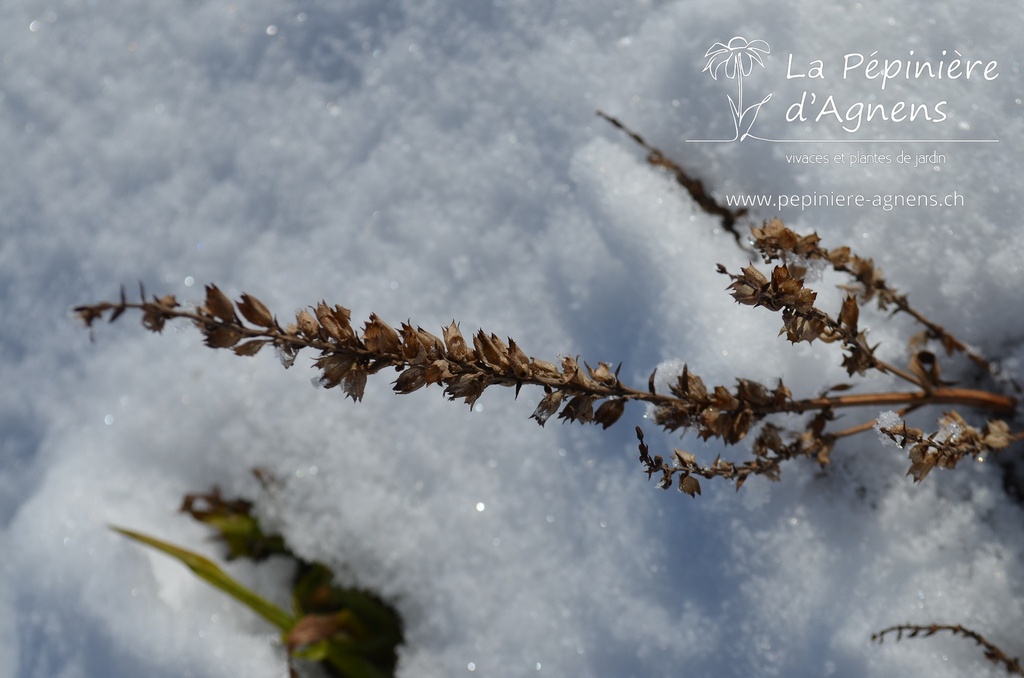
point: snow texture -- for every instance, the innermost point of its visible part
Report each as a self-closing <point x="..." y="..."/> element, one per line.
<point x="439" y="160"/>
<point x="887" y="419"/>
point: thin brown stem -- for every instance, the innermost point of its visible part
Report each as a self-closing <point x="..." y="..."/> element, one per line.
<point x="868" y="425"/>
<point x="993" y="652"/>
<point x="695" y="187"/>
<point x="993" y="402"/>
<point x="901" y="373"/>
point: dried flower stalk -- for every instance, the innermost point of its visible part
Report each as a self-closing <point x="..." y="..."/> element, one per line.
<point x="992" y="652"/>
<point x="465" y="369"/>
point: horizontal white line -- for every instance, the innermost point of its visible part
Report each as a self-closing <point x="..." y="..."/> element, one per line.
<point x="851" y="141"/>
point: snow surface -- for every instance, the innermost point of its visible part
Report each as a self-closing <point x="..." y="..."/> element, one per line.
<point x="439" y="160"/>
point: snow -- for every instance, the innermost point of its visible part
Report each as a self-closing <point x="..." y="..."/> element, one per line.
<point x="440" y="160"/>
<point x="887" y="419"/>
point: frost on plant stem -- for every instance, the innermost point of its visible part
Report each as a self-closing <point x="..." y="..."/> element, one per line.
<point x="950" y="431"/>
<point x="887" y="419"/>
<point x="284" y="355"/>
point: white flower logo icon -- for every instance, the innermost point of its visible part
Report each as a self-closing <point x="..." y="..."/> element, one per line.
<point x="737" y="59"/>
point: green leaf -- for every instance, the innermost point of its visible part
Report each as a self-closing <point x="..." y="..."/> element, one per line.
<point x="206" y="569"/>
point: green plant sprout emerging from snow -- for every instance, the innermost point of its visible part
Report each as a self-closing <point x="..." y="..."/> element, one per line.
<point x="351" y="633"/>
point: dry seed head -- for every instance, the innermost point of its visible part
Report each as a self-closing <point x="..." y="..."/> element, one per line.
<point x="307" y="324"/>
<point x="254" y="311"/>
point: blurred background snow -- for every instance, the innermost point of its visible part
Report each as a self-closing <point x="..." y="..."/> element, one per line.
<point x="439" y="160"/>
